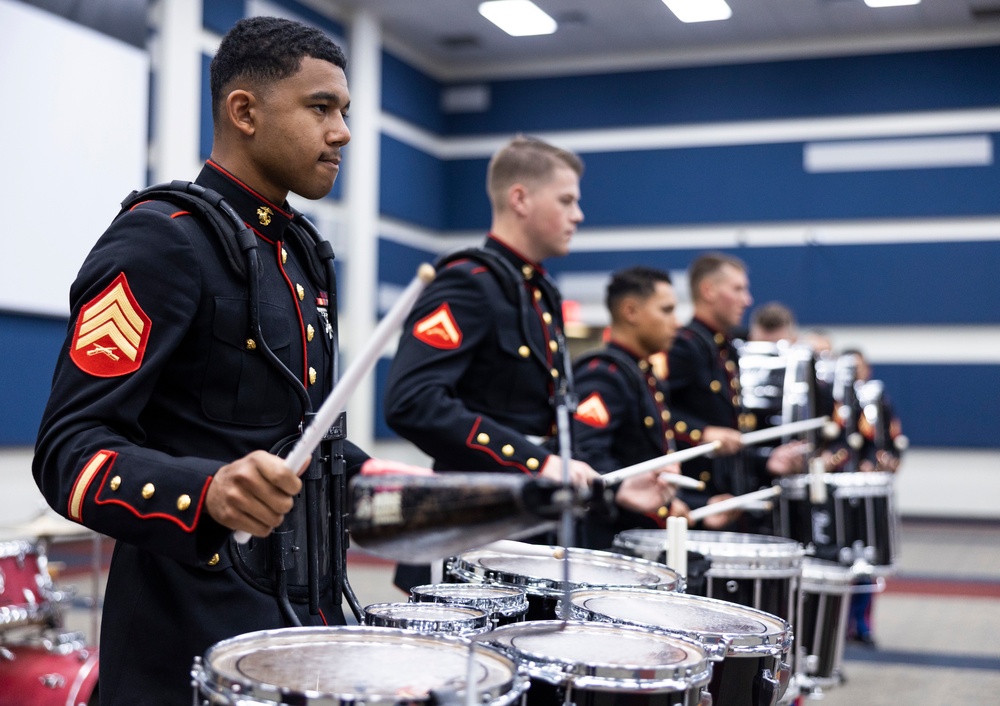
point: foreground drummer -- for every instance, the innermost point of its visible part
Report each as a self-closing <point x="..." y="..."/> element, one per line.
<point x="481" y="365"/>
<point x="162" y="380"/>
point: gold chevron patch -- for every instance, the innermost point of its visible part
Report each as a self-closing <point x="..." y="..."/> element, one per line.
<point x="439" y="329"/>
<point x="593" y="412"/>
<point x="111" y="332"/>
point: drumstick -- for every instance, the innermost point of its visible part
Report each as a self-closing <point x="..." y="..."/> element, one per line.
<point x="656" y="463"/>
<point x="363" y="362"/>
<point x="508" y="546"/>
<point x="755" y="437"/>
<point x="677" y="545"/>
<point x="733" y="503"/>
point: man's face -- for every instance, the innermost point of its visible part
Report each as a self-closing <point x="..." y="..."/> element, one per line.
<point x="553" y="213"/>
<point x="728" y="295"/>
<point x="657" y="319"/>
<point x="300" y="129"/>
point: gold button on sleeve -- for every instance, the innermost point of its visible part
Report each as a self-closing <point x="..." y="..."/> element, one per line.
<point x="148" y="490"/>
<point x="214" y="560"/>
<point x="663" y="512"/>
<point x="116" y="482"/>
<point x="507" y="450"/>
<point x="183" y="502"/>
<point x="532" y="464"/>
<point x="483" y="439"/>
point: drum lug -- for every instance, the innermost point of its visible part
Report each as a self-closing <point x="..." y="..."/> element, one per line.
<point x="7" y="654"/>
<point x="52" y="681"/>
<point x="766" y="688"/>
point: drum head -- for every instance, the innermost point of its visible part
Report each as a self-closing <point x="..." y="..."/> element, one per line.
<point x="604" y="655"/>
<point x="544" y="575"/>
<point x="742" y="629"/>
<point x="352" y="663"/>
<point x="505" y="600"/>
<point x="428" y="617"/>
<point x="728" y="550"/>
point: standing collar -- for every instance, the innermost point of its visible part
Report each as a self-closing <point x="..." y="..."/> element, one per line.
<point x="266" y="218"/>
<point x="494" y="244"/>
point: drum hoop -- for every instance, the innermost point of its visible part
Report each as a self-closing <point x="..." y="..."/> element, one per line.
<point x="605" y="676"/>
<point x="514" y="602"/>
<point x="506" y="693"/>
<point x="735" y="644"/>
<point x="475" y="620"/>
<point x="468" y="567"/>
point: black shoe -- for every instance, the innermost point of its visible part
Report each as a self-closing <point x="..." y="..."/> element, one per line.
<point x="864" y="640"/>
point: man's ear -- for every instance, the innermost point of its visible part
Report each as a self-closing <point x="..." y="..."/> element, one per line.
<point x="240" y="109"/>
<point x="628" y="310"/>
<point x="517" y="198"/>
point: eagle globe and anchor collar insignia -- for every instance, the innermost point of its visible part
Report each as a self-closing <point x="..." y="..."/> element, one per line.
<point x="264" y="214"/>
<point x="111" y="332"/>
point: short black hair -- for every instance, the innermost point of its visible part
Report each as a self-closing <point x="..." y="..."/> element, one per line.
<point x="636" y="281"/>
<point x="261" y="50"/>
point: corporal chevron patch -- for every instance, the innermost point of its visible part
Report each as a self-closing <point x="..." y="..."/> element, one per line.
<point x="593" y="411"/>
<point x="111" y="332"/>
<point x="439" y="329"/>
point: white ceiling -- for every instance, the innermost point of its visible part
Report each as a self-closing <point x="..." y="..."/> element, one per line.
<point x="451" y="40"/>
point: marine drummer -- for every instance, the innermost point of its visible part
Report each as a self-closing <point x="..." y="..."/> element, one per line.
<point x="704" y="385"/>
<point x="166" y="398"/>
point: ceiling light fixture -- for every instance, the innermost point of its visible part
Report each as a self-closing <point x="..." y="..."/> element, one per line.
<point x="518" y="18"/>
<point x="890" y="3"/>
<point x="699" y="10"/>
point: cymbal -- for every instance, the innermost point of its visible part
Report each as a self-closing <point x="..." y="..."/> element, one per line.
<point x="47" y="525"/>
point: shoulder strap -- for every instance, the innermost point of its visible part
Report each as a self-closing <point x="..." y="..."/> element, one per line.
<point x="623" y="361"/>
<point x="209" y="206"/>
<point x="504" y="272"/>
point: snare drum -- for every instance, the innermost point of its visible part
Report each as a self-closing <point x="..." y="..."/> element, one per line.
<point x="754" y="570"/>
<point x="351" y="665"/>
<point x="752" y="647"/>
<point x="598" y="664"/>
<point x="53" y="672"/>
<point x="25" y="585"/>
<point x="430" y="618"/>
<point x="826" y="598"/>
<point x="541" y="577"/>
<point x="504" y="604"/>
<point x="856" y="525"/>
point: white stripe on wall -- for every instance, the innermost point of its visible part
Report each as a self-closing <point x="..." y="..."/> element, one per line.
<point x="918" y="153"/>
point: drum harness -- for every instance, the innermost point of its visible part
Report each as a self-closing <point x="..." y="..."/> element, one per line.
<point x="239" y="243"/>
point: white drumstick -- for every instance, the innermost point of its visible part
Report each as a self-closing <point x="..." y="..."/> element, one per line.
<point x="657" y="463"/>
<point x="677" y="558"/>
<point x="755" y="437"/>
<point x="509" y="546"/>
<point x="362" y="364"/>
<point x="736" y="503"/>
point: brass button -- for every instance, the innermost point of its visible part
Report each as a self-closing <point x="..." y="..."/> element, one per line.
<point x="643" y="365"/>
<point x="300" y="291"/>
<point x="555" y="373"/>
<point x="554" y="346"/>
<point x="527" y="271"/>
<point x="695" y="435"/>
<point x="736" y="400"/>
<point x="734" y="383"/>
<point x="649" y="421"/>
<point x="116" y="482"/>
<point x="284" y="256"/>
<point x="681" y="427"/>
<point x="665" y="415"/>
<point x="663" y="512"/>
<point x="251" y="344"/>
<point x="524" y="351"/>
<point x="532" y="464"/>
<point x="183" y="502"/>
<point x="214" y="560"/>
<point x="730" y="366"/>
<point x="310" y="332"/>
<point x="715" y="386"/>
<point x="705" y="476"/>
<point x="148" y="490"/>
<point x="507" y="450"/>
<point x="312" y="376"/>
<point x="719" y="338"/>
<point x="483" y="438"/>
<point x="668" y="434"/>
<point x="658" y="396"/>
<point x="538" y="295"/>
<point x="546" y="317"/>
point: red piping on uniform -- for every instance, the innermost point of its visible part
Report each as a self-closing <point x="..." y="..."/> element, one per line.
<point x="298" y="311"/>
<point x="160" y="515"/>
<point x="488" y="450"/>
<point x="237" y="181"/>
<point x="526" y="259"/>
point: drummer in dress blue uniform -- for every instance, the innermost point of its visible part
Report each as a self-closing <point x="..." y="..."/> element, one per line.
<point x="704" y="385"/>
<point x="482" y="363"/>
<point x="165" y="377"/>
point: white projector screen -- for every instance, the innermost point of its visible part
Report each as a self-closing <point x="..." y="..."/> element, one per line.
<point x="72" y="145"/>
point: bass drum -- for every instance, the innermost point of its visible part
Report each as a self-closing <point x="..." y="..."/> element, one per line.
<point x="54" y="672"/>
<point x="25" y="585"/>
